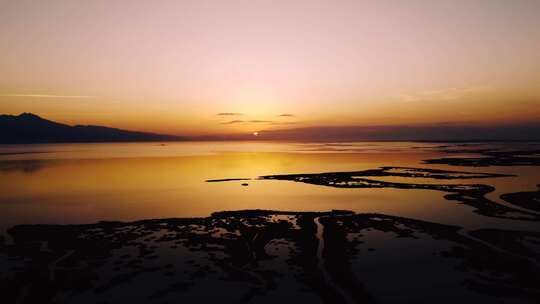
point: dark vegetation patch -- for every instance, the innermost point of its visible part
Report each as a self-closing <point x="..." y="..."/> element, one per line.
<point x="469" y="194"/>
<point x="529" y="200"/>
<point x="489" y="158"/>
<point x="231" y="247"/>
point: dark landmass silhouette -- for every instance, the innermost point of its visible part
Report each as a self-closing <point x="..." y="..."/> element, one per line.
<point x="419" y="132"/>
<point x="258" y="256"/>
<point x="489" y="157"/>
<point x="30" y="128"/>
<point x="472" y="195"/>
<point x="526" y="199"/>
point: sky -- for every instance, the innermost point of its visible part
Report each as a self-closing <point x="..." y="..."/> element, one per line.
<point x="243" y="66"/>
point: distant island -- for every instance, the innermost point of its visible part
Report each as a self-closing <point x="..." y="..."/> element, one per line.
<point x="30" y="128"/>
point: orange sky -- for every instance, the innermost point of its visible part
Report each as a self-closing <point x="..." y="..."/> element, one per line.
<point x="172" y="66"/>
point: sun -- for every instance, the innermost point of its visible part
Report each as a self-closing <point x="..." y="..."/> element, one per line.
<point x="255" y="133"/>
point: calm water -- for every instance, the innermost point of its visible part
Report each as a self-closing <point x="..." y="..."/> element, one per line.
<point x="85" y="183"/>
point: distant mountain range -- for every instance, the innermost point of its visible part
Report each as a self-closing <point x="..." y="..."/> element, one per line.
<point x="30" y="128"/>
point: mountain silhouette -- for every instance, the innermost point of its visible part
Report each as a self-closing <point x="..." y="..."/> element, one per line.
<point x="30" y="128"/>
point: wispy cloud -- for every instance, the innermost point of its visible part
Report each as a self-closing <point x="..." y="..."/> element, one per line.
<point x="45" y="96"/>
<point x="229" y="114"/>
<point x="260" y="121"/>
<point x="284" y="123"/>
<point x="286" y="115"/>
<point x="254" y="121"/>
<point x="232" y="122"/>
<point x="443" y="94"/>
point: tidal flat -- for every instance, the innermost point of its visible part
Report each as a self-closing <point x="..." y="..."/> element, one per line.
<point x="324" y="223"/>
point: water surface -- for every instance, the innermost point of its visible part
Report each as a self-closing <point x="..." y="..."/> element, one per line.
<point x="385" y="245"/>
<point x="85" y="183"/>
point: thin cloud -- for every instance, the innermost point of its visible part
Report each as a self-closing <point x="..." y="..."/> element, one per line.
<point x="287" y="115"/>
<point x="46" y="96"/>
<point x="232" y="122"/>
<point x="229" y="114"/>
<point x="284" y="123"/>
<point x="443" y="95"/>
<point x="260" y="121"/>
<point x="255" y="121"/>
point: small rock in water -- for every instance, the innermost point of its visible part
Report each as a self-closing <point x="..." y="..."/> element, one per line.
<point x="245" y="184"/>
